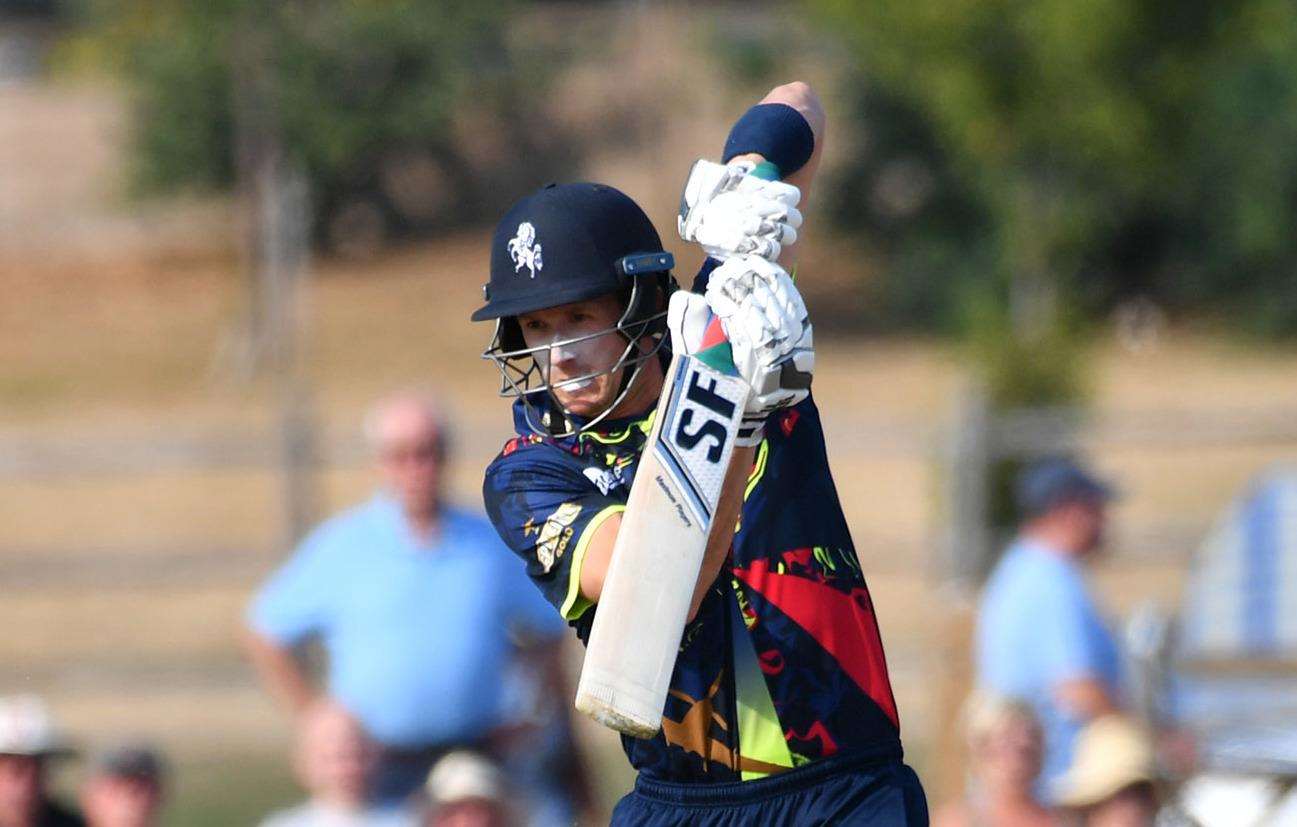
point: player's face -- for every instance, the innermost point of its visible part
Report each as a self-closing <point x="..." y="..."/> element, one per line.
<point x="580" y="373"/>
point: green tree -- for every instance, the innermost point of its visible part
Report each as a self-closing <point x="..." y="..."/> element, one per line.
<point x="1084" y="151"/>
<point x="371" y="99"/>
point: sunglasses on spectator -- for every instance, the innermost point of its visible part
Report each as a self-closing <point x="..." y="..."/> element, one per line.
<point x="418" y="452"/>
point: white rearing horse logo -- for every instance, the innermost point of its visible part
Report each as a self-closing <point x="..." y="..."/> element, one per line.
<point x="524" y="250"/>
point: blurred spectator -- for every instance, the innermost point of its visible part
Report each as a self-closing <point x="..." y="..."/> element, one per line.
<point x="335" y="762"/>
<point x="28" y="742"/>
<point x="1004" y="754"/>
<point x="1110" y="781"/>
<point x="414" y="602"/>
<point x="124" y="789"/>
<point x="1039" y="633"/>
<point x="466" y="790"/>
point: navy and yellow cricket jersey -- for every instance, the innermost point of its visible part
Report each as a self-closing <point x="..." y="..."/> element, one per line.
<point x="783" y="663"/>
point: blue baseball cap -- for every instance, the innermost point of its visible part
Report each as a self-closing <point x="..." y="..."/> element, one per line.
<point x="566" y="243"/>
<point x="1049" y="483"/>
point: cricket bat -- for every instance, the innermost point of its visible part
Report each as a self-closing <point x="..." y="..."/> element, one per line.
<point x="644" y="604"/>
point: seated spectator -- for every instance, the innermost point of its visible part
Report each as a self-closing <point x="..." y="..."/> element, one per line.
<point x="1111" y="780"/>
<point x="335" y="762"/>
<point x="467" y="790"/>
<point x="1004" y="756"/>
<point x="125" y="788"/>
<point x="28" y="743"/>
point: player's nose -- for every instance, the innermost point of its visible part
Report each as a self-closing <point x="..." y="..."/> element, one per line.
<point x="563" y="357"/>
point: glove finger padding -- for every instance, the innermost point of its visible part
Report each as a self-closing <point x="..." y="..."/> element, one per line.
<point x="778" y="191"/>
<point x="730" y="212"/>
<point x="769" y="332"/>
<point x="687" y="318"/>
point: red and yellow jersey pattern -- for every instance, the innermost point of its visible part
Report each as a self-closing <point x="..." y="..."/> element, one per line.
<point x="783" y="663"/>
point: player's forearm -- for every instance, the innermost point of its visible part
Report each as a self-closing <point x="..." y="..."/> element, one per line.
<point x="727" y="515"/>
<point x="802" y="97"/>
<point x="280" y="672"/>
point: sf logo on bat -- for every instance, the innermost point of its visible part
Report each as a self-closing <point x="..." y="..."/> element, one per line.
<point x="702" y="391"/>
<point x="697" y="437"/>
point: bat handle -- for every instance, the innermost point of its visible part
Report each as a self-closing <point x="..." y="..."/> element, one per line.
<point x="766" y="170"/>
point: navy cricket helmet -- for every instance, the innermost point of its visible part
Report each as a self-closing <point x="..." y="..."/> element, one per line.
<point x="566" y="243"/>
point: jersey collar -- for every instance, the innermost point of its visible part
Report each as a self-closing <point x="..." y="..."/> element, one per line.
<point x="606" y="428"/>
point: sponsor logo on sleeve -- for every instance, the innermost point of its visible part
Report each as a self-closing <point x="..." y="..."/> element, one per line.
<point x="555" y="535"/>
<point x="605" y="479"/>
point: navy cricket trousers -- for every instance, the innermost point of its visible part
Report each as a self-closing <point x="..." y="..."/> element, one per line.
<point x="870" y="788"/>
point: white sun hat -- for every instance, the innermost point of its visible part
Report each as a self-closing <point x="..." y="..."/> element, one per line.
<point x="464" y="775"/>
<point x="27" y="729"/>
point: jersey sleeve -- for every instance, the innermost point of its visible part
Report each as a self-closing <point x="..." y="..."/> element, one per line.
<point x="547" y="511"/>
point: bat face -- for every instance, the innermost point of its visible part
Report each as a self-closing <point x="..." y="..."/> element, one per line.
<point x="696" y="438"/>
<point x="660" y="545"/>
<point x="663" y="536"/>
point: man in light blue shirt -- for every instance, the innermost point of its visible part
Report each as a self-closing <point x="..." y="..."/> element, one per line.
<point x="414" y="602"/>
<point x="1040" y="636"/>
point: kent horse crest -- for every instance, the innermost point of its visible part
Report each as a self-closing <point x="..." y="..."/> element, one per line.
<point x="524" y="250"/>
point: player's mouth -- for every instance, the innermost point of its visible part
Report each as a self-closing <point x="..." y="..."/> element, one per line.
<point x="575" y="385"/>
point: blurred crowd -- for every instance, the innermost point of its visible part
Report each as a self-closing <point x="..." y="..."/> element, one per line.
<point x="123" y="787"/>
<point x="1050" y="733"/>
<point x="422" y="675"/>
<point x="420" y="668"/>
<point x="441" y="674"/>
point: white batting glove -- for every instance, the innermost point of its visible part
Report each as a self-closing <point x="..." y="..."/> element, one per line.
<point x="730" y="212"/>
<point x="687" y="316"/>
<point x="770" y="334"/>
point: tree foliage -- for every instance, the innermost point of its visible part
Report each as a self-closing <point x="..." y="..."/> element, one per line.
<point x="362" y="93"/>
<point x="1107" y="148"/>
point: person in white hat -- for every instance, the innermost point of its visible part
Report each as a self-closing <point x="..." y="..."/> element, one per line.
<point x="467" y="790"/>
<point x="28" y="741"/>
<point x="1111" y="780"/>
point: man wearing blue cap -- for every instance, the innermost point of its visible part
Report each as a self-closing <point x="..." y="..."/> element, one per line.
<point x="780" y="708"/>
<point x="1040" y="636"/>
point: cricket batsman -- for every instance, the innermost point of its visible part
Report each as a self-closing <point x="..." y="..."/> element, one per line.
<point x="780" y="709"/>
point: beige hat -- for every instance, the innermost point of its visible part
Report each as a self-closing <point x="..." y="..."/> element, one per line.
<point x="463" y="775"/>
<point x="26" y="728"/>
<point x="1111" y="753"/>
